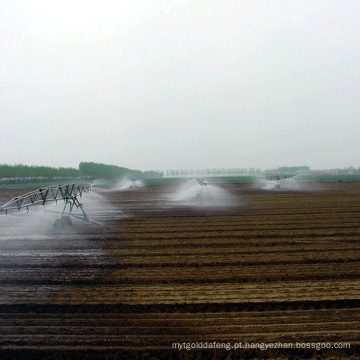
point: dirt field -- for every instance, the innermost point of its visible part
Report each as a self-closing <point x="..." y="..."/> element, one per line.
<point x="269" y="267"/>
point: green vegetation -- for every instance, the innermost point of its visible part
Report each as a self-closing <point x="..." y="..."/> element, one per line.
<point x="25" y="171"/>
<point x="326" y="177"/>
<point x="96" y="170"/>
<point x="13" y="175"/>
<point x="291" y="169"/>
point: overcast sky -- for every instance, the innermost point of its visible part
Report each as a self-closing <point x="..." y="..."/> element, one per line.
<point x="180" y="84"/>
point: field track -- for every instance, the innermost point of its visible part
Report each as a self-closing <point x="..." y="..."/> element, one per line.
<point x="272" y="267"/>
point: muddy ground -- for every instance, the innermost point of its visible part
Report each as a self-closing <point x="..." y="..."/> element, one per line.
<point x="236" y="264"/>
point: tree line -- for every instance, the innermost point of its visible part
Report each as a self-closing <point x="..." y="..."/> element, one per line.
<point x="212" y="171"/>
<point x="99" y="170"/>
<point x="85" y="170"/>
<point x="291" y="169"/>
<point x="28" y="171"/>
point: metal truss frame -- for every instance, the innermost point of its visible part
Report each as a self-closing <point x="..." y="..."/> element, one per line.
<point x="201" y="181"/>
<point x="280" y="177"/>
<point x="68" y="193"/>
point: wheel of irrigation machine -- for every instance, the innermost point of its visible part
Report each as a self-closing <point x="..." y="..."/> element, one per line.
<point x="62" y="224"/>
<point x="58" y="225"/>
<point x="67" y="221"/>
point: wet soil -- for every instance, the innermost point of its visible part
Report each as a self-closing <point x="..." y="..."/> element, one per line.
<point x="265" y="267"/>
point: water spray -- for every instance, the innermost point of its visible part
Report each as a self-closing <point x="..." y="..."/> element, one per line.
<point x="69" y="194"/>
<point x="280" y="182"/>
<point x="133" y="184"/>
<point x="199" y="193"/>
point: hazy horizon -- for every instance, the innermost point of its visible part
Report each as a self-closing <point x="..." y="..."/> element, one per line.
<point x="213" y="170"/>
<point x="180" y="84"/>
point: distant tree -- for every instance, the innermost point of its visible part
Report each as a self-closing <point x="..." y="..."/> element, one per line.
<point x="153" y="174"/>
<point x="99" y="170"/>
<point x="292" y="169"/>
<point x="26" y="171"/>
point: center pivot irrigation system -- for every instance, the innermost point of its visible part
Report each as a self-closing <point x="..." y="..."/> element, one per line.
<point x="278" y="180"/>
<point x="69" y="194"/>
<point x="204" y="194"/>
<point x="202" y="181"/>
<point x="133" y="183"/>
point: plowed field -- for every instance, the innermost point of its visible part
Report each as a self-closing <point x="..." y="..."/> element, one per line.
<point x="273" y="267"/>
